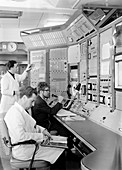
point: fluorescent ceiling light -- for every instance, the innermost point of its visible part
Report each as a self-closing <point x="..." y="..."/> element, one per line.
<point x="10" y="14"/>
<point x="54" y="22"/>
<point x="33" y="31"/>
<point x="18" y="0"/>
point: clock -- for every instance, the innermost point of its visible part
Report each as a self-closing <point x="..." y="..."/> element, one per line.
<point x="12" y="47"/>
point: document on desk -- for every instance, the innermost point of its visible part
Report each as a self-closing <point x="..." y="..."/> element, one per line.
<point x="66" y="113"/>
<point x="58" y="142"/>
<point x="74" y="118"/>
<point x="78" y="118"/>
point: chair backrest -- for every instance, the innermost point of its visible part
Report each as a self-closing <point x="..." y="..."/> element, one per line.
<point x="5" y="139"/>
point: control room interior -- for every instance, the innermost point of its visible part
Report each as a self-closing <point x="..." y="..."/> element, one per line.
<point x="71" y="43"/>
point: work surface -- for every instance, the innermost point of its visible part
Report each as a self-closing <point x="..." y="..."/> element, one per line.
<point x="107" y="145"/>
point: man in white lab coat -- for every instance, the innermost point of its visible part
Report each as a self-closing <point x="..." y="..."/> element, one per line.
<point x="10" y="85"/>
<point x="22" y="127"/>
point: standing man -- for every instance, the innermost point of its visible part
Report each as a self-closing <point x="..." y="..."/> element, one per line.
<point x="10" y="85"/>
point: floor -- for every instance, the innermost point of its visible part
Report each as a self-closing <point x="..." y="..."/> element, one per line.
<point x="73" y="161"/>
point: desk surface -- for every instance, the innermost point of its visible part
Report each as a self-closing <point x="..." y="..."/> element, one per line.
<point x="107" y="143"/>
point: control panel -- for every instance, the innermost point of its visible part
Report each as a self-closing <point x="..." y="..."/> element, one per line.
<point x="105" y="91"/>
<point x="58" y="71"/>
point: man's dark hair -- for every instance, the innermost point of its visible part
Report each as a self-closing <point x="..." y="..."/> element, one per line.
<point x="41" y="86"/>
<point x="11" y="64"/>
<point x="28" y="91"/>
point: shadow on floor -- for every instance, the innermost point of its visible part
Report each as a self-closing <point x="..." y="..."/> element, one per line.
<point x="73" y="161"/>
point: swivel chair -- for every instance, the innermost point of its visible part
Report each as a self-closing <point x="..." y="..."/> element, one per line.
<point x="15" y="163"/>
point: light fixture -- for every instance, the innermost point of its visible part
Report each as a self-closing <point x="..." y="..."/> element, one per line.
<point x="10" y="14"/>
<point x="18" y="0"/>
<point x="54" y="22"/>
<point x="70" y="39"/>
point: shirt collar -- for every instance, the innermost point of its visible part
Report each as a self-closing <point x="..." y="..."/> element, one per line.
<point x="19" y="107"/>
<point x="12" y="74"/>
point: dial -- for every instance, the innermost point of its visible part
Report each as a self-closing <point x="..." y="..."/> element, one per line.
<point x="12" y="47"/>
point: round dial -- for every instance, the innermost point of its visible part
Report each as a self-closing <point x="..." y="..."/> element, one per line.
<point x="12" y="46"/>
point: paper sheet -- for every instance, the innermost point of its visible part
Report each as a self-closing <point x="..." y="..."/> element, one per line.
<point x="74" y="118"/>
<point x="65" y="113"/>
<point x="105" y="51"/>
<point x="60" y="139"/>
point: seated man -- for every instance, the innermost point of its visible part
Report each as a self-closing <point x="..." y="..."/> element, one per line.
<point x="22" y="127"/>
<point x="42" y="112"/>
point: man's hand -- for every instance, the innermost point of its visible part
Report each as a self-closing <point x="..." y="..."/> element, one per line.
<point x="29" y="67"/>
<point x="46" y="133"/>
<point x="46" y="137"/>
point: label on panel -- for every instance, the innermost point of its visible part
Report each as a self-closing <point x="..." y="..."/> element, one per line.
<point x="74" y="54"/>
<point x="105" y="51"/>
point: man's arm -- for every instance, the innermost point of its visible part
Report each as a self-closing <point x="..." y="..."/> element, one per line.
<point x="21" y="77"/>
<point x="43" y="108"/>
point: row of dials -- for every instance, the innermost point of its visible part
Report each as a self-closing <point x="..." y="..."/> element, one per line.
<point x="11" y="46"/>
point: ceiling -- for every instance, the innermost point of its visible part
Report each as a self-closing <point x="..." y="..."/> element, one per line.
<point x="36" y="13"/>
<point x="41" y="13"/>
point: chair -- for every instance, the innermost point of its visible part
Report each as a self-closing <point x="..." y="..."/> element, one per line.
<point x="15" y="163"/>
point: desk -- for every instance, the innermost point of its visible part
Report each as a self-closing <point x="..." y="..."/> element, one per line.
<point x="105" y="144"/>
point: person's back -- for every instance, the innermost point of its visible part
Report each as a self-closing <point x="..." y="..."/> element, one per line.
<point x="15" y="116"/>
<point x="41" y="112"/>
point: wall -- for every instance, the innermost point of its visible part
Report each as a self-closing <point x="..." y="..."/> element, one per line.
<point x="10" y="35"/>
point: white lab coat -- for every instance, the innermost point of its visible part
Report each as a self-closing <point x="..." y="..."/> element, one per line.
<point x="8" y="86"/>
<point x="22" y="127"/>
